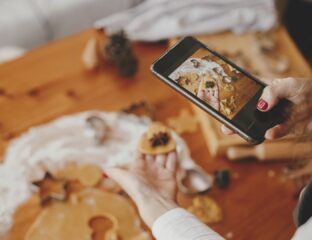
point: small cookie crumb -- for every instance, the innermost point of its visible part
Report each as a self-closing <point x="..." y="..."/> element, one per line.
<point x="2" y="92"/>
<point x="271" y="173"/>
<point x="8" y="136"/>
<point x="33" y="92"/>
<point x="229" y="235"/>
<point x="235" y="175"/>
<point x="71" y="93"/>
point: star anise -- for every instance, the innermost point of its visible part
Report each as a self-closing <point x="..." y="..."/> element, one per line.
<point x="51" y="188"/>
<point x="159" y="139"/>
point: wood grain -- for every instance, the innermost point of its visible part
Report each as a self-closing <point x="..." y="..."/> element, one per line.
<point x="50" y="82"/>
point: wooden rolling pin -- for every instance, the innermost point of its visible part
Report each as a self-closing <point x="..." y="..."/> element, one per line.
<point x="271" y="151"/>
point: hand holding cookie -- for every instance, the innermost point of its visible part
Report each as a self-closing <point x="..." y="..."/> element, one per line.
<point x="151" y="183"/>
<point x="152" y="178"/>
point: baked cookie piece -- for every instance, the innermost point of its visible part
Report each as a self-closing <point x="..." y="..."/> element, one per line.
<point x="157" y="140"/>
<point x="206" y="209"/>
<point x="189" y="81"/>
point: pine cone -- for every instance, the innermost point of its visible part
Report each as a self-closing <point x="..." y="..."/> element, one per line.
<point x="115" y="53"/>
<point x="118" y="52"/>
<point x="117" y="47"/>
<point x="127" y="66"/>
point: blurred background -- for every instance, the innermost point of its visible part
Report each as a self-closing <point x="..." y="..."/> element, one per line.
<point x="26" y="24"/>
<point x="92" y="70"/>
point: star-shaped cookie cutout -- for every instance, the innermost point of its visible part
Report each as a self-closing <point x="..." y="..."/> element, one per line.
<point x="51" y="188"/>
<point x="185" y="122"/>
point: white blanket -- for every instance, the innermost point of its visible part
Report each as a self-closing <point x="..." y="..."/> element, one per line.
<point x="155" y="20"/>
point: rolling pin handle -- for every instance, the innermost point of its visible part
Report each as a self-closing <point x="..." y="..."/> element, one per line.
<point x="237" y="153"/>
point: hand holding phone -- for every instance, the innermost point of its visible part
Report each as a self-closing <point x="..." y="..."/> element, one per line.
<point x="296" y="90"/>
<point x="218" y="86"/>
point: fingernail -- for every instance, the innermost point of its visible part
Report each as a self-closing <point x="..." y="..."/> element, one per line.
<point x="262" y="105"/>
<point x="104" y="175"/>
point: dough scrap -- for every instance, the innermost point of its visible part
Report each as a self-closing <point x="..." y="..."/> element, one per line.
<point x="87" y="175"/>
<point x="70" y="220"/>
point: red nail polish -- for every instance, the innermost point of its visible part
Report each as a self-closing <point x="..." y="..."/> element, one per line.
<point x="262" y="105"/>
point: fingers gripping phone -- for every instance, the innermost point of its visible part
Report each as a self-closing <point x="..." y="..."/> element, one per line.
<point x="218" y="86"/>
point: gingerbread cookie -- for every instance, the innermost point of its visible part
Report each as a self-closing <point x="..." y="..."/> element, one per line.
<point x="51" y="189"/>
<point x="206" y="209"/>
<point x="185" y="122"/>
<point x="157" y="140"/>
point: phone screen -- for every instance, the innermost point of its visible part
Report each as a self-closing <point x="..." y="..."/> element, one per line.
<point x="216" y="82"/>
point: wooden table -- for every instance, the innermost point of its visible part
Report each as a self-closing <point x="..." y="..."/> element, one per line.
<point x="50" y="81"/>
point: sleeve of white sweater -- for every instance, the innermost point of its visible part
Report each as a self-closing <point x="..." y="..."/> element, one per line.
<point x="178" y="224"/>
<point x="304" y="232"/>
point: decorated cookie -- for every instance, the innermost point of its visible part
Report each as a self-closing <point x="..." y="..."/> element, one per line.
<point x="157" y="140"/>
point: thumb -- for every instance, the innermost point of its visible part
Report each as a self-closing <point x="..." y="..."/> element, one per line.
<point x="278" y="89"/>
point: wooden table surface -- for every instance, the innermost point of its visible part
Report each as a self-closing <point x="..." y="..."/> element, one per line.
<point x="50" y="81"/>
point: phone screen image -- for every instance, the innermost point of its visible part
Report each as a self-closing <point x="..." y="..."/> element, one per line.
<point x="216" y="82"/>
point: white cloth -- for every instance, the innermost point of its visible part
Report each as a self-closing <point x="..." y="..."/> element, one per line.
<point x="178" y="224"/>
<point x="154" y="20"/>
<point x="10" y="53"/>
<point x="29" y="23"/>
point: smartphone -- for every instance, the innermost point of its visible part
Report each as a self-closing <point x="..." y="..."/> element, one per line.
<point x="218" y="86"/>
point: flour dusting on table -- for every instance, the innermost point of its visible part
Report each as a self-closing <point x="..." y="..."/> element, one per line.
<point x="51" y="146"/>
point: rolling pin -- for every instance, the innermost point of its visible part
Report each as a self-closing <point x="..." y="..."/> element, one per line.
<point x="271" y="151"/>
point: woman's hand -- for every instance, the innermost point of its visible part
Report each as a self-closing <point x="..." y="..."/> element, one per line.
<point x="151" y="183"/>
<point x="298" y="91"/>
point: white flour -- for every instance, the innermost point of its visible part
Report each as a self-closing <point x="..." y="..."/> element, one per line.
<point x="67" y="139"/>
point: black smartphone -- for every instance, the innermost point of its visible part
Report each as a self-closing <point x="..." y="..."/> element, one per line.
<point x="218" y="86"/>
